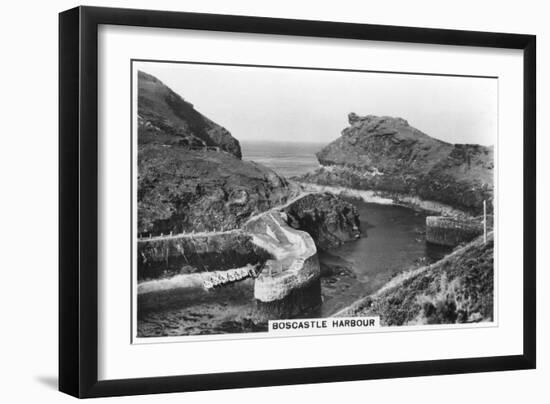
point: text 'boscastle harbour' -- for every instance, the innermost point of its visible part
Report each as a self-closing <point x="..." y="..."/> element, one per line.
<point x="313" y="326"/>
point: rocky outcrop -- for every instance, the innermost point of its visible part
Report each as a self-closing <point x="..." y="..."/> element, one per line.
<point x="457" y="289"/>
<point x="387" y="154"/>
<point x="166" y="118"/>
<point x="328" y="219"/>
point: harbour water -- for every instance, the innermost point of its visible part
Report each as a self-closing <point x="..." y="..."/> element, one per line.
<point x="392" y="240"/>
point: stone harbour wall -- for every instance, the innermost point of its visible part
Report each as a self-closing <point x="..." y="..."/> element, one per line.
<point x="451" y="231"/>
<point x="167" y="256"/>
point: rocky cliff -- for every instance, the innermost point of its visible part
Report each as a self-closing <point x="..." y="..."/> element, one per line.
<point x="182" y="190"/>
<point x="387" y="154"/>
<point x="190" y="175"/>
<point x="166" y="118"/>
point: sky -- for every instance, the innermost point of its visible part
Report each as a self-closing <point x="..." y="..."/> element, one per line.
<point x="302" y="105"/>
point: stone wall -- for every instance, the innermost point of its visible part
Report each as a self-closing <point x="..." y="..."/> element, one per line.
<point x="451" y="231"/>
<point x="162" y="257"/>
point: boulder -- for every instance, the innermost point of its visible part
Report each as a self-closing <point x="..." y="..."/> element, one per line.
<point x="328" y="219"/>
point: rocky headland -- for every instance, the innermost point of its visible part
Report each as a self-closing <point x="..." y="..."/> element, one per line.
<point x="387" y="155"/>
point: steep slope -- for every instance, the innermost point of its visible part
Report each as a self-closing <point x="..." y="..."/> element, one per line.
<point x="181" y="190"/>
<point x="457" y="289"/>
<point x="387" y="154"/>
<point x="190" y="175"/>
<point x="166" y="118"/>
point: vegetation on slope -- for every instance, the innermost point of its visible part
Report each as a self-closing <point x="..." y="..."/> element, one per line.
<point x="457" y="289"/>
<point x="166" y="118"/>
<point x="181" y="190"/>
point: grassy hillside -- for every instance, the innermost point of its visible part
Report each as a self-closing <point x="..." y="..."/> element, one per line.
<point x="166" y="118"/>
<point x="457" y="289"/>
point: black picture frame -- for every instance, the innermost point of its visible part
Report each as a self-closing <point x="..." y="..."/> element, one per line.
<point x="78" y="200"/>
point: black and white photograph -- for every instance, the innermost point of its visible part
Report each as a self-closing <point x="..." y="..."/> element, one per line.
<point x="273" y="199"/>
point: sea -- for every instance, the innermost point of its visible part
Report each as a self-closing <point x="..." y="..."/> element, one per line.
<point x="392" y="240"/>
<point x="286" y="158"/>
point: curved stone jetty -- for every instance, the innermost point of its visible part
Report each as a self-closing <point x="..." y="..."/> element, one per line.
<point x="294" y="262"/>
<point x="289" y="282"/>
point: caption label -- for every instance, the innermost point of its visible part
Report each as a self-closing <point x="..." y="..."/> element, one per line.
<point x="324" y="324"/>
